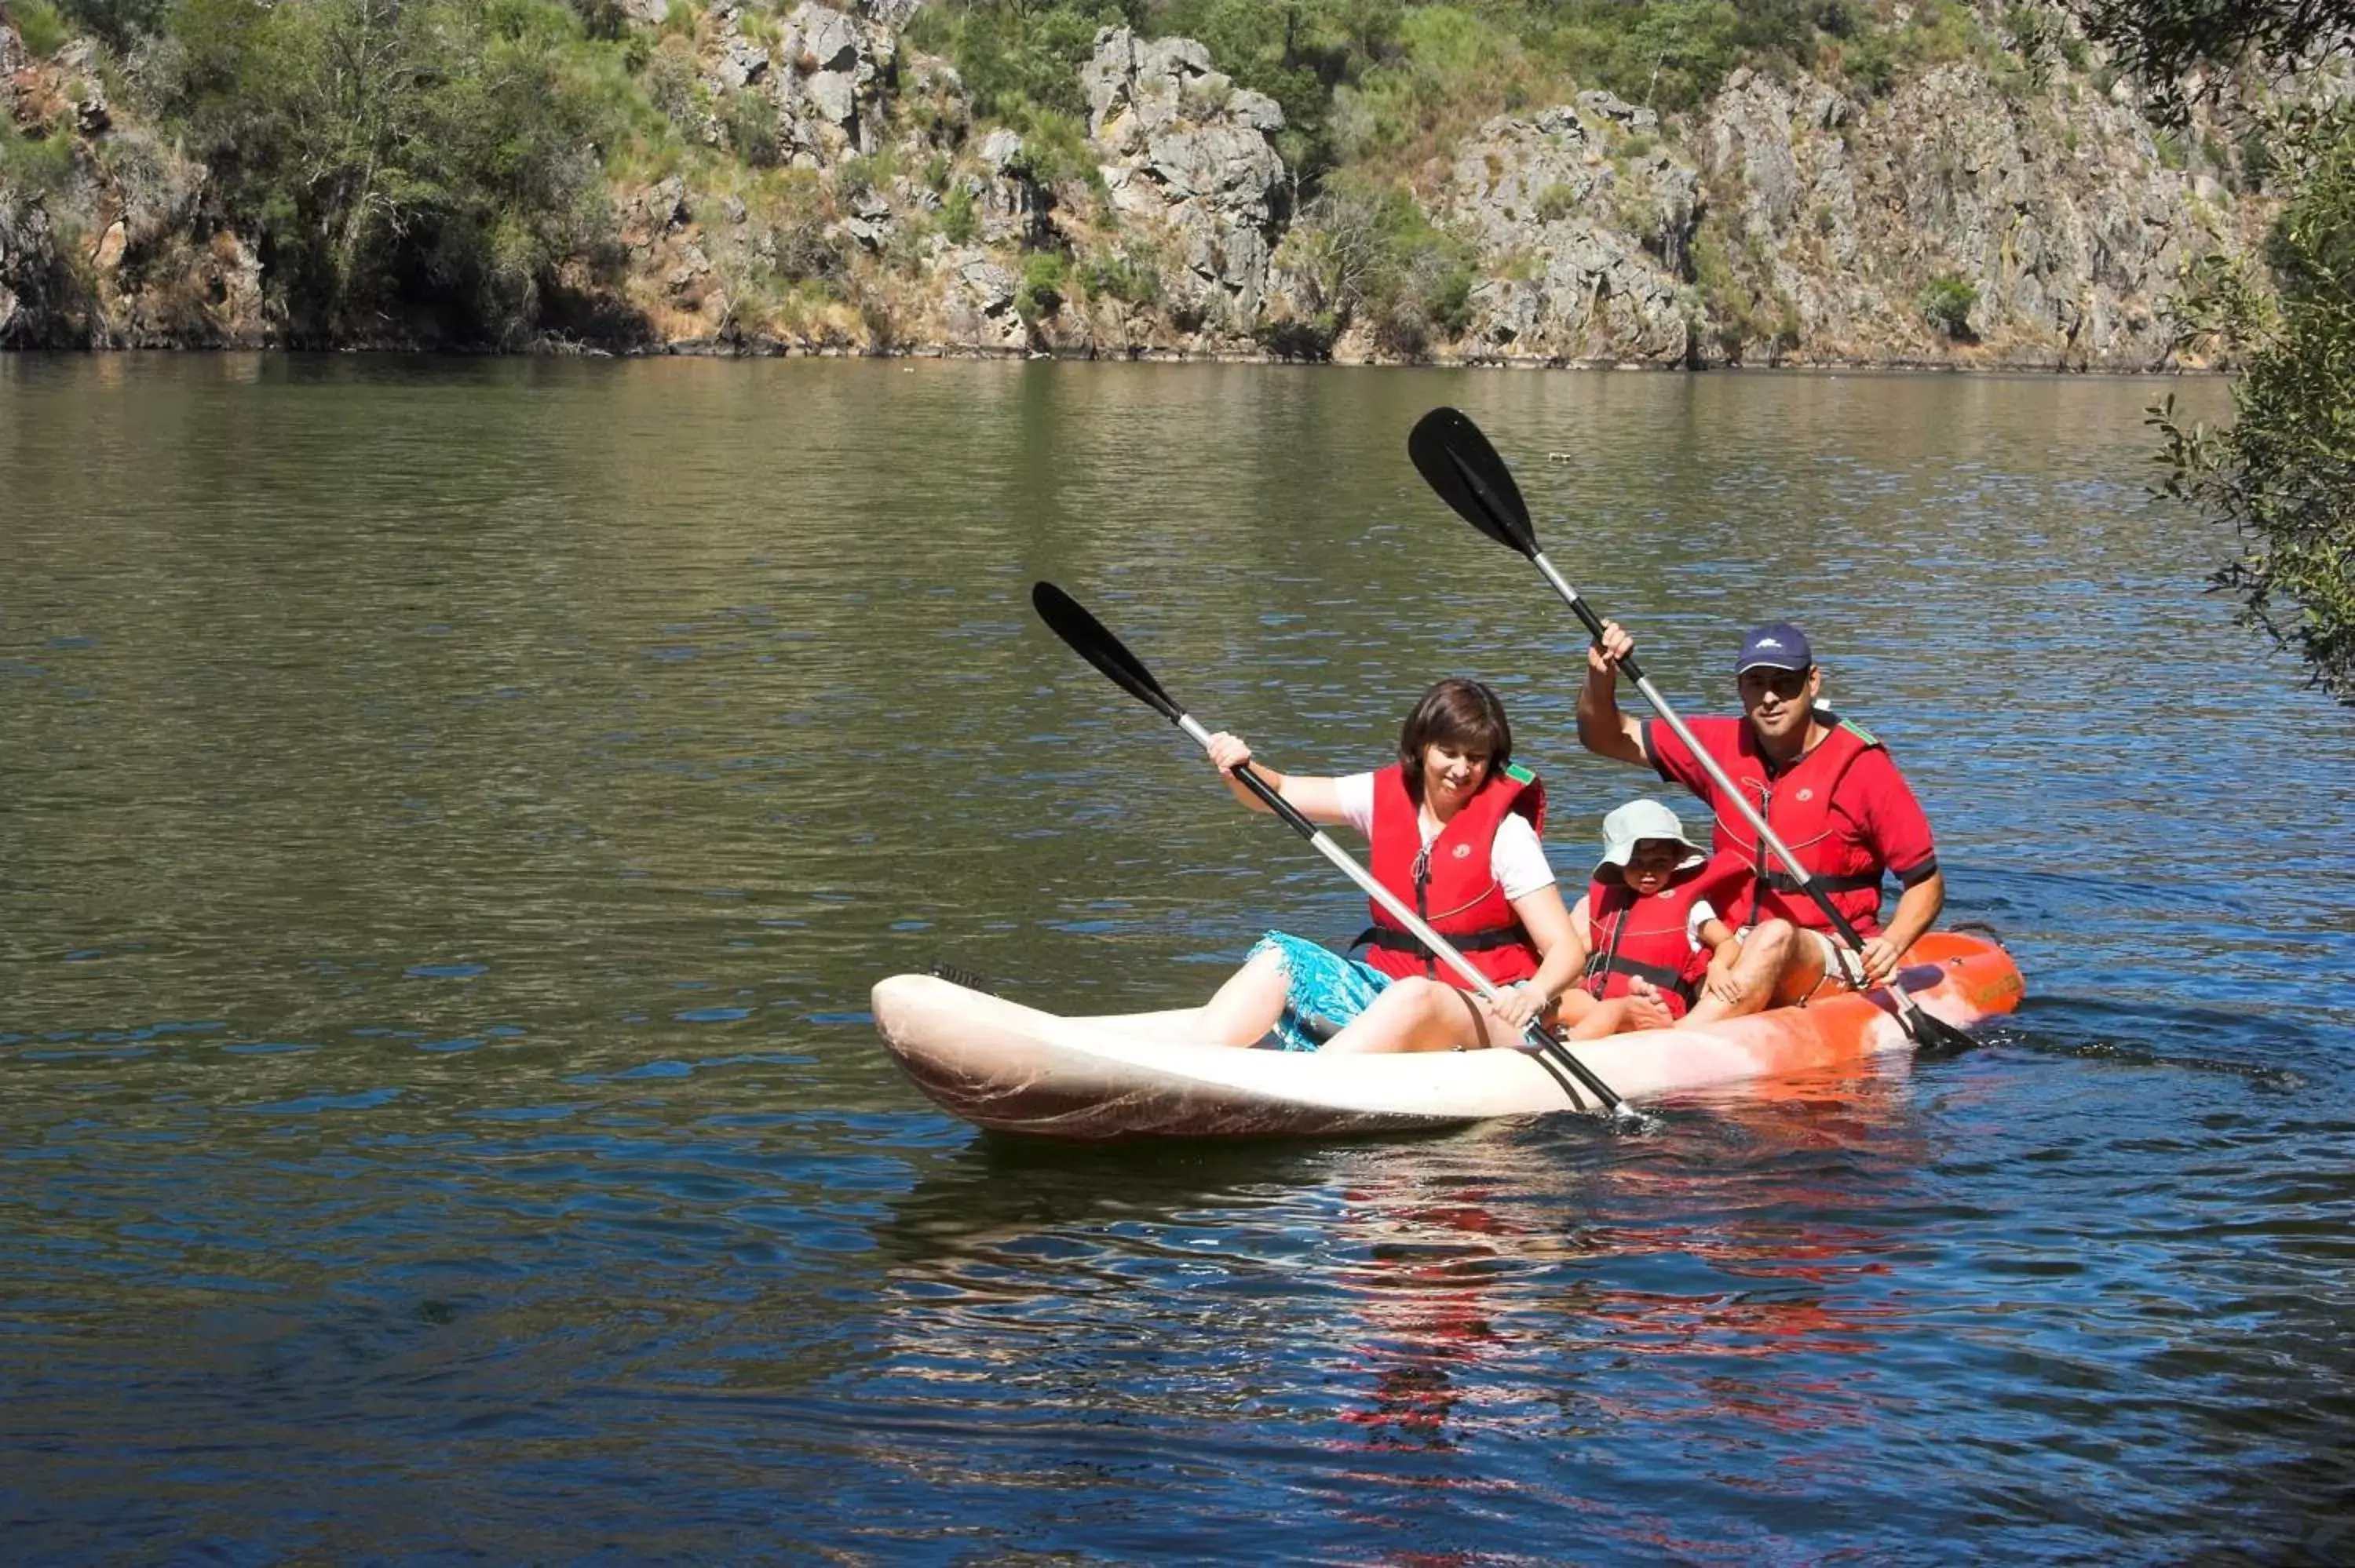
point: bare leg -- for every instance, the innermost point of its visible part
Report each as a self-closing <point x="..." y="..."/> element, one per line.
<point x="1757" y="972"/>
<point x="1418" y="1014"/>
<point x="1801" y="973"/>
<point x="1247" y="1005"/>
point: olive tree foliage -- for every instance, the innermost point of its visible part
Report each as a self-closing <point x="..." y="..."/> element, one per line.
<point x="1366" y="252"/>
<point x="397" y="156"/>
<point x="2182" y="49"/>
<point x="2283" y="472"/>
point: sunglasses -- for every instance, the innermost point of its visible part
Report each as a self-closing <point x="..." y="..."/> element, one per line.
<point x="1783" y="683"/>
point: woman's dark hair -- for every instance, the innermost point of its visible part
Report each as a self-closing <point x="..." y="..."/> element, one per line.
<point x="1455" y="712"/>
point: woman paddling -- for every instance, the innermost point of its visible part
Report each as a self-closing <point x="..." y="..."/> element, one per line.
<point x="1453" y="827"/>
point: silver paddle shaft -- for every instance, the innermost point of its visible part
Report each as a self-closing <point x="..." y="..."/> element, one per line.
<point x="1660" y="705"/>
<point x="1708" y="763"/>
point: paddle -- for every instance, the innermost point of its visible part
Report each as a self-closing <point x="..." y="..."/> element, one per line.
<point x="1452" y="454"/>
<point x="1088" y="638"/>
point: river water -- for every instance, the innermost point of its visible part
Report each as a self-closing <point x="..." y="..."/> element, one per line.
<point x="451" y="814"/>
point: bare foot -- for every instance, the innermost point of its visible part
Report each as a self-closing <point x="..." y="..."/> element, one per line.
<point x="1645" y="1008"/>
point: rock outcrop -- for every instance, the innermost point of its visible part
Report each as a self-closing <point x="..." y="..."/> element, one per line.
<point x="11" y="60"/>
<point x="2060" y="217"/>
<point x="1186" y="151"/>
<point x="1950" y="218"/>
<point x="1584" y="227"/>
<point x="836" y="69"/>
<point x="33" y="314"/>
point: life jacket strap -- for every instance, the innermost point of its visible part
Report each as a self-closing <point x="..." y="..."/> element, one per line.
<point x="1783" y="881"/>
<point x="1513" y="936"/>
<point x="1659" y="974"/>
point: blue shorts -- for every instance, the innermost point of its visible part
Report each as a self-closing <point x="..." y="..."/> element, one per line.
<point x="1322" y="986"/>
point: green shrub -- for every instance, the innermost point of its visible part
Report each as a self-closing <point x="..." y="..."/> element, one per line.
<point x="1369" y="252"/>
<point x="1871" y="64"/>
<point x="2033" y="30"/>
<point x="29" y="165"/>
<point x="1055" y="149"/>
<point x="1946" y="303"/>
<point x="2257" y="159"/>
<point x="1836" y="18"/>
<point x="956" y="221"/>
<point x="751" y="122"/>
<point x="1745" y="315"/>
<point x="608" y="20"/>
<point x="1443" y="288"/>
<point x="1130" y="276"/>
<point x="801" y="242"/>
<point x="1016" y="56"/>
<point x="674" y="85"/>
<point x="1041" y="291"/>
<point x="1298" y="53"/>
<point x="121" y="23"/>
<point x="40" y="24"/>
<point x="1711" y="269"/>
<point x="1296" y="338"/>
<point x="2283" y="474"/>
<point x="861" y="173"/>
<point x="452" y="179"/>
<point x="1556" y="202"/>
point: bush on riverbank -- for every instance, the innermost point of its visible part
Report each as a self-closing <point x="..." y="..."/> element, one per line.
<point x="2283" y="473"/>
<point x="1369" y="255"/>
<point x="429" y="157"/>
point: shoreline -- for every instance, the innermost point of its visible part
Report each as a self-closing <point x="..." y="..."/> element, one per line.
<point x="766" y="348"/>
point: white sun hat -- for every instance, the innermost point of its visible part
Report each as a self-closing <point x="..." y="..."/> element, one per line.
<point x="1632" y="823"/>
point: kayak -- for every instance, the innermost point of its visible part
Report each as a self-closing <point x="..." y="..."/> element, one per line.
<point x="1011" y="1068"/>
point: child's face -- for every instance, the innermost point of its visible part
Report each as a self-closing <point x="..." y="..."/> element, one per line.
<point x="1653" y="863"/>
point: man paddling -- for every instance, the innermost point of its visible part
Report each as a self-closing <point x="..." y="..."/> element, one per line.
<point x="1825" y="786"/>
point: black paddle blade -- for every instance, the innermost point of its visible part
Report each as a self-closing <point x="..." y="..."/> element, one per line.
<point x="1455" y="459"/>
<point x="1068" y="619"/>
<point x="1934" y="1036"/>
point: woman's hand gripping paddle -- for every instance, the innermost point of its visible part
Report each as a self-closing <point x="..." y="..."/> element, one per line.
<point x="1068" y="621"/>
<point x="1452" y="454"/>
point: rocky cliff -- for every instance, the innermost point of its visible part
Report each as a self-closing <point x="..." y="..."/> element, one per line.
<point x="842" y="195"/>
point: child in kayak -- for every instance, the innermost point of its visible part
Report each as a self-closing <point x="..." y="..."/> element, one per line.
<point x="1648" y="929"/>
<point x="1453" y="826"/>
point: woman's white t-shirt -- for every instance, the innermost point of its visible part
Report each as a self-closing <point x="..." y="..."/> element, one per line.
<point x="1516" y="860"/>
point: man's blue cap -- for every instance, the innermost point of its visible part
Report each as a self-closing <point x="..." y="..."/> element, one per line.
<point x="1777" y="646"/>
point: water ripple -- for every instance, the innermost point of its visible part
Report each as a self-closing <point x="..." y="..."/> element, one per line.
<point x="453" y="812"/>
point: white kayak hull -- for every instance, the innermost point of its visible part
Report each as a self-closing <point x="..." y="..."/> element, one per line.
<point x="1012" y="1068"/>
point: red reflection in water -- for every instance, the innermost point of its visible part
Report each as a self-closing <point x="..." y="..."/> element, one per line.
<point x="1451" y="1253"/>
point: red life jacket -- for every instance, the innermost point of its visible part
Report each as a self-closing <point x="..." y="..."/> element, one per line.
<point x="1453" y="886"/>
<point x="1797" y="804"/>
<point x="1627" y="937"/>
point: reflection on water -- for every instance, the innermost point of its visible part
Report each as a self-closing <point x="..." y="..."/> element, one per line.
<point x="451" y="814"/>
